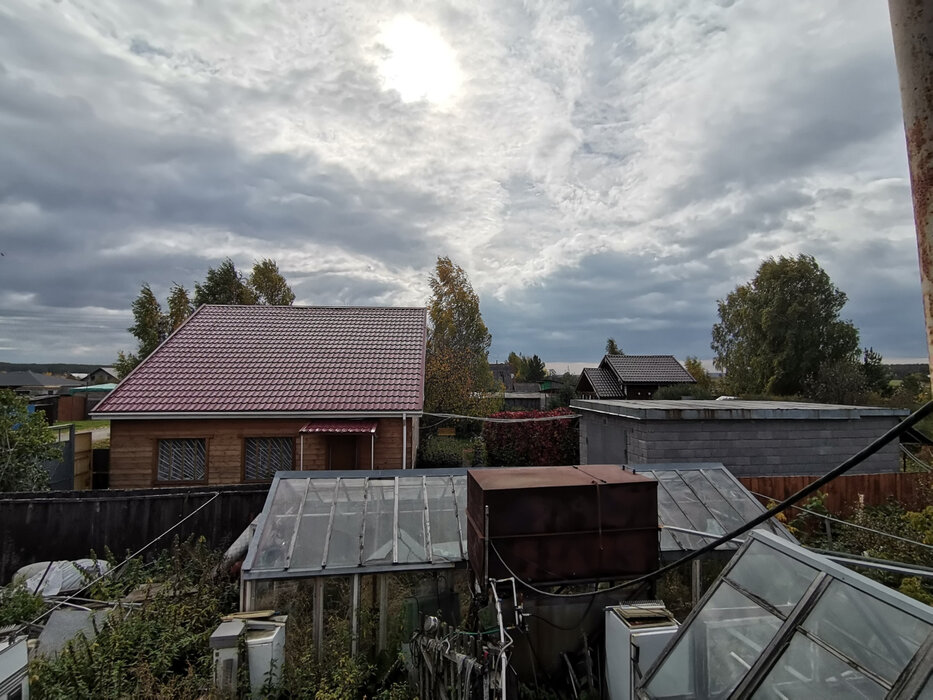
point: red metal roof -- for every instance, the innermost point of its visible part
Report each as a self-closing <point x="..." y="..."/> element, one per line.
<point x="340" y="426"/>
<point x="282" y="359"/>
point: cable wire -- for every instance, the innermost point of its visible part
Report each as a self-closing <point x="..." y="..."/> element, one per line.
<point x="484" y="419"/>
<point x="848" y="464"/>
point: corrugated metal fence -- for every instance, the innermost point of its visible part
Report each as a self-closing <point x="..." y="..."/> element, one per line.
<point x="69" y="524"/>
<point x="914" y="490"/>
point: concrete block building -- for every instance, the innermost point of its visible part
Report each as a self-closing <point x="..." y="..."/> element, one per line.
<point x="751" y="438"/>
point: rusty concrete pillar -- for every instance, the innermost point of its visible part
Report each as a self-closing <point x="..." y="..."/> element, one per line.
<point x="912" y="27"/>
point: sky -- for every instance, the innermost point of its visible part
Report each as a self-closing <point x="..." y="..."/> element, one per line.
<point x="597" y="168"/>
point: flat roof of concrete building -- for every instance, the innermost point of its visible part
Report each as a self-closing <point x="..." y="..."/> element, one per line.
<point x="733" y="409"/>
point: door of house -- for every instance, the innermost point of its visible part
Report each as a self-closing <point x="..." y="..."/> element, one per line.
<point x="342" y="452"/>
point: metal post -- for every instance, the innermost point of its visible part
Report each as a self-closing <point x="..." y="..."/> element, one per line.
<point x="404" y="443"/>
<point x="372" y="450"/>
<point x="301" y="452"/>
<point x="696" y="581"/>
<point x="318" y="617"/>
<point x="383" y="585"/>
<point x="912" y="28"/>
<point x="355" y="619"/>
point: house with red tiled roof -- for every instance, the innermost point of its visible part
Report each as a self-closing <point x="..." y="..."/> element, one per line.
<point x="631" y="377"/>
<point x="240" y="392"/>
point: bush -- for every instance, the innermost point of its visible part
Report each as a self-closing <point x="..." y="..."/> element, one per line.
<point x="540" y="443"/>
<point x="444" y="452"/>
<point x="19" y="606"/>
<point x="675" y="392"/>
<point x="158" y="650"/>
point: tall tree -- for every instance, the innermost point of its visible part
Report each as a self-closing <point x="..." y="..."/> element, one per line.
<point x="699" y="373"/>
<point x="612" y="347"/>
<point x="527" y="369"/>
<point x="179" y="306"/>
<point x="457" y="374"/>
<point x="269" y="285"/>
<point x="150" y="326"/>
<point x="779" y="329"/>
<point x="225" y="285"/>
<point x="25" y="443"/>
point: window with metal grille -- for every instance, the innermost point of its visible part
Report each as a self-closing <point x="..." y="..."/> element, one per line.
<point x="182" y="459"/>
<point x="265" y="456"/>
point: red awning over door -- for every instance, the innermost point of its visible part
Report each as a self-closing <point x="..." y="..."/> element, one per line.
<point x="356" y="427"/>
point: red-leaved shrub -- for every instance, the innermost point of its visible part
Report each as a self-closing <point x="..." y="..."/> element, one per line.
<point x="533" y="443"/>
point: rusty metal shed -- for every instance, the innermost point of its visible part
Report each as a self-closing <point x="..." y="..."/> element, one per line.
<point x="562" y="523"/>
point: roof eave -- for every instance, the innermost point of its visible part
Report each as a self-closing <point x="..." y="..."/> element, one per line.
<point x="210" y="415"/>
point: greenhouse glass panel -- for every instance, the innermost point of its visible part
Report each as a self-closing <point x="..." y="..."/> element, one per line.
<point x="699" y="516"/>
<point x="807" y="670"/>
<point x="279" y="525"/>
<point x="379" y="529"/>
<point x="343" y="549"/>
<point x="727" y="516"/>
<point x="411" y="530"/>
<point x="776" y="579"/>
<point x="308" y="553"/>
<point x="442" y="517"/>
<point x="877" y="636"/>
<point x="717" y="649"/>
<point x="669" y="513"/>
<point x="738" y="498"/>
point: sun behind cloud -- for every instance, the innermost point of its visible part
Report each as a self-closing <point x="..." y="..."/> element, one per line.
<point x="419" y="64"/>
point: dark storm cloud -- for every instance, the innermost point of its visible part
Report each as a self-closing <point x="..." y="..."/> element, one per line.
<point x="571" y="313"/>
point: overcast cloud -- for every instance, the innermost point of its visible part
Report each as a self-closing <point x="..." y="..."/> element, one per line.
<point x="598" y="168"/>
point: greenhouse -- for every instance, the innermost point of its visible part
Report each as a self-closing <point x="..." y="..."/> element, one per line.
<point x="783" y="623"/>
<point x="327" y="523"/>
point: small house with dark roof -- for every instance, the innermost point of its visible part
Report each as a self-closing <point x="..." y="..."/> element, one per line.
<point x="631" y="377"/>
<point x="33" y="384"/>
<point x="102" y="375"/>
<point x="240" y="392"/>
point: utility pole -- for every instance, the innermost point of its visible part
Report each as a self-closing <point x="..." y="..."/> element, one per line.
<point x="912" y="27"/>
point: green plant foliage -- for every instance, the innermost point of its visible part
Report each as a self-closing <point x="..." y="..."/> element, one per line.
<point x="438" y="452"/>
<point x="25" y="443"/>
<point x="160" y="649"/>
<point x="530" y="443"/>
<point x="457" y="375"/>
<point x="891" y="518"/>
<point x="676" y="392"/>
<point x="777" y="331"/>
<point x="19" y="606"/>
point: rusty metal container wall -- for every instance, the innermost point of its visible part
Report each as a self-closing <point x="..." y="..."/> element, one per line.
<point x="912" y="30"/>
<point x="554" y="524"/>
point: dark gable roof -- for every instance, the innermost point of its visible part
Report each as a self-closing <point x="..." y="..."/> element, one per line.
<point x="603" y="383"/>
<point x="25" y="379"/>
<point x="283" y="359"/>
<point x="647" y="369"/>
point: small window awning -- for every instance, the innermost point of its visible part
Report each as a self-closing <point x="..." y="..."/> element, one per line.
<point x="340" y="426"/>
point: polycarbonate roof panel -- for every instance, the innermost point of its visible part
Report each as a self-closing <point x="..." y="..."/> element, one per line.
<point x="324" y="523"/>
<point x="783" y="622"/>
<point x="704" y="498"/>
<point x="327" y="523"/>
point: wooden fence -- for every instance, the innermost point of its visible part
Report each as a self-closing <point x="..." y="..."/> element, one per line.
<point x="69" y="524"/>
<point x="914" y="490"/>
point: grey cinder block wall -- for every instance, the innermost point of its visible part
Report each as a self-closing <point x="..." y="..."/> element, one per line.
<point x="751" y="438"/>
